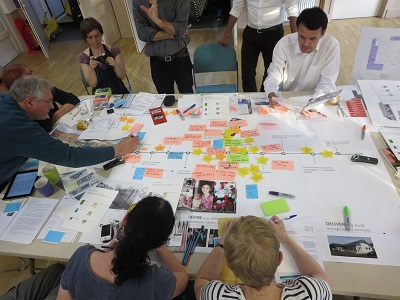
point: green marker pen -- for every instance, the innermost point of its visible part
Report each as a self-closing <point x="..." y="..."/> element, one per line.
<point x="346" y="215"/>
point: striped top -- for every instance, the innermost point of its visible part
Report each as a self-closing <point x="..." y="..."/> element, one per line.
<point x="303" y="287"/>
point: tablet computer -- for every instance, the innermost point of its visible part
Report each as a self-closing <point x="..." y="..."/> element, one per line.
<point x="21" y="184"/>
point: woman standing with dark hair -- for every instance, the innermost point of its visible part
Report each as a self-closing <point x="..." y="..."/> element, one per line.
<point x="101" y="65"/>
<point x="126" y="272"/>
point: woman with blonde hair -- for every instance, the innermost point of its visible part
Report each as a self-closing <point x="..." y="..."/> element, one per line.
<point x="251" y="247"/>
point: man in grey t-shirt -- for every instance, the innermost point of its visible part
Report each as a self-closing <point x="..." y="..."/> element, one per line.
<point x="162" y="25"/>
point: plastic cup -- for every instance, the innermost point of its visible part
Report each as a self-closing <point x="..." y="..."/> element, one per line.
<point x="51" y="173"/>
<point x="44" y="186"/>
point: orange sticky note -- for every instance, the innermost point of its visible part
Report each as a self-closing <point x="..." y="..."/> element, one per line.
<point x="212" y="151"/>
<point x="197" y="127"/>
<point x="272" y="148"/>
<point x="286" y="165"/>
<point x="253" y="132"/>
<point x="192" y="136"/>
<point x="154" y="173"/>
<point x="133" y="158"/>
<point x="225" y="175"/>
<point x="212" y="132"/>
<point x="218" y="123"/>
<point x="264" y="110"/>
<point x="123" y="118"/>
<point x="238" y="123"/>
<point x="201" y="144"/>
<point x="172" y="140"/>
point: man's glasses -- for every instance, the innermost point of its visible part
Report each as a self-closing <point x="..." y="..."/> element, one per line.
<point x="48" y="102"/>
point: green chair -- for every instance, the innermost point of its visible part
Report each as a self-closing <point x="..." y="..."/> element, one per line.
<point x="213" y="57"/>
<point x="86" y="85"/>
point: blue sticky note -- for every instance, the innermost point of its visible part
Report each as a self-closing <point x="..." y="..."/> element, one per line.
<point x="217" y="144"/>
<point x="175" y="155"/>
<point x="139" y="173"/>
<point x="31" y="163"/>
<point x="140" y="135"/>
<point x="251" y="191"/>
<point x="10" y="207"/>
<point x="53" y="237"/>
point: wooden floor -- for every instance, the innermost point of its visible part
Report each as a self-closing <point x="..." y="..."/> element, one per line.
<point x="62" y="70"/>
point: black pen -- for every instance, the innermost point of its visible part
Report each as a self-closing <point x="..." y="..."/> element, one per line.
<point x="281" y="194"/>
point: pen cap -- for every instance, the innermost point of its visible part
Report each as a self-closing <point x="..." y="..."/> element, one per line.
<point x="346" y="210"/>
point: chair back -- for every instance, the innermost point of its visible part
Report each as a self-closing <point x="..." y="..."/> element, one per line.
<point x="85" y="84"/>
<point x="213" y="57"/>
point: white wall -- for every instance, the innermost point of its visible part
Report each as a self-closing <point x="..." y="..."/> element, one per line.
<point x="346" y="9"/>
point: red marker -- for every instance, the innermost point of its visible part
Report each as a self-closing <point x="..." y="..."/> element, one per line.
<point x="363" y="132"/>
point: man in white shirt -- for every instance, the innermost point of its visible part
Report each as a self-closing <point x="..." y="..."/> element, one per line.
<point x="264" y="29"/>
<point x="308" y="60"/>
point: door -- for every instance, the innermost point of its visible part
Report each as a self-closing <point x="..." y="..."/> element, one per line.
<point x="392" y="9"/>
<point x="139" y="44"/>
<point x="36" y="26"/>
<point x="8" y="46"/>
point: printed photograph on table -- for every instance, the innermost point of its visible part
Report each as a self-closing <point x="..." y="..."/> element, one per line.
<point x="208" y="196"/>
<point x="351" y="246"/>
<point x="244" y="106"/>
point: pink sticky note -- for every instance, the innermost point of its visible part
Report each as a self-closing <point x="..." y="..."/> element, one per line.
<point x="238" y="123"/>
<point x="271" y="148"/>
<point x="212" y="151"/>
<point x="264" y="110"/>
<point x="226" y="165"/>
<point x="197" y="127"/>
<point x="172" y="140"/>
<point x="133" y="158"/>
<point x="213" y="133"/>
<point x="225" y="175"/>
<point x="202" y="175"/>
<point x="192" y="136"/>
<point x="285" y="165"/>
<point x="266" y="125"/>
<point x="136" y="128"/>
<point x="201" y="144"/>
<point x="154" y="173"/>
<point x="205" y="168"/>
<point x="218" y="123"/>
<point x="253" y="132"/>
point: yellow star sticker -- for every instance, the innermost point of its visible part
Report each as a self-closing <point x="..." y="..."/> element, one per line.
<point x="227" y="131"/>
<point x="327" y="154"/>
<point x="174" y="112"/>
<point x="254" y="169"/>
<point x="220" y="156"/>
<point x="227" y="137"/>
<point x="262" y="160"/>
<point x="248" y="140"/>
<point x="130" y="120"/>
<point x="197" y="151"/>
<point x="208" y="158"/>
<point x="256" y="177"/>
<point x="306" y="150"/>
<point x="253" y="149"/>
<point x="235" y="129"/>
<point x="126" y="127"/>
<point x="166" y="113"/>
<point x="123" y="118"/>
<point x="159" y="147"/>
<point x="242" y="150"/>
<point x="243" y="171"/>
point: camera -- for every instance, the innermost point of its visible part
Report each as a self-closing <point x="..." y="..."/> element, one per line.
<point x="100" y="58"/>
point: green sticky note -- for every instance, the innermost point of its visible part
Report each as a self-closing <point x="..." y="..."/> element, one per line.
<point x="274" y="207"/>
<point x="238" y="158"/>
<point x="233" y="142"/>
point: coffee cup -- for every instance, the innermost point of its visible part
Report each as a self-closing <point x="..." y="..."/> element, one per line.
<point x="44" y="186"/>
<point x="51" y="173"/>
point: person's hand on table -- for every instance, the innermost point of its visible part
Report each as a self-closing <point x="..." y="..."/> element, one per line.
<point x="279" y="228"/>
<point x="128" y="145"/>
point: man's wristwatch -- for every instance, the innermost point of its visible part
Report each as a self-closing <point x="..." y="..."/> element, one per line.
<point x="219" y="245"/>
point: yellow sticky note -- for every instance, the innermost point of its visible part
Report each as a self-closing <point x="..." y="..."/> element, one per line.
<point x="306" y="150"/>
<point x="327" y="154"/>
<point x="256" y="177"/>
<point x="208" y="158"/>
<point x="243" y="171"/>
<point x="197" y="151"/>
<point x="262" y="160"/>
<point x="248" y="140"/>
